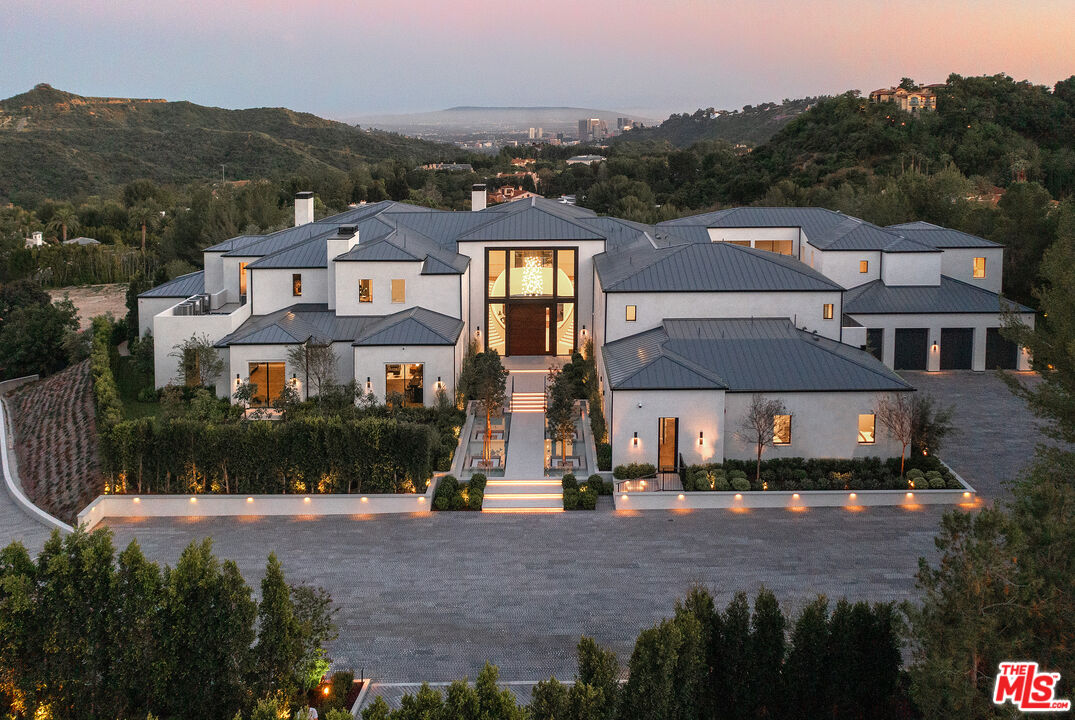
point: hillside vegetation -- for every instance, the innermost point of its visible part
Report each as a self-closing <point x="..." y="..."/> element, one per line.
<point x="58" y="144"/>
<point x="753" y="125"/>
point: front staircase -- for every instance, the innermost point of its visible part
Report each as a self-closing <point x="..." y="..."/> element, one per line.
<point x="524" y="487"/>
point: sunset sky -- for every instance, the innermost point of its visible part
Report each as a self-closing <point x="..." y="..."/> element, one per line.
<point x="341" y="59"/>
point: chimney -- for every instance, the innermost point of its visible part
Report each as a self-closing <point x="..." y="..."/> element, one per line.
<point x="304" y="208"/>
<point x="346" y="237"/>
<point x="477" y="197"/>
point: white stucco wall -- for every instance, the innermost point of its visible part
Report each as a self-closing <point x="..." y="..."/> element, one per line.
<point x="270" y="288"/>
<point x="440" y="293"/>
<point x="958" y="263"/>
<point x="697" y="410"/>
<point x="805" y="308"/>
<point x="935" y="322"/>
<point x="752" y="235"/>
<point x="842" y="266"/>
<point x="230" y="276"/>
<point x="911" y="268"/>
<point x="150" y="307"/>
<point x="240" y="357"/>
<point x="439" y="360"/>
<point x="170" y="330"/>
<point x="823" y="425"/>
<point x="213" y="264"/>
<point x="584" y="277"/>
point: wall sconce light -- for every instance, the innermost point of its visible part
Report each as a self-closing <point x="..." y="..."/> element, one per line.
<point x="583" y="331"/>
<point x="701" y="440"/>
<point x="369" y="385"/>
<point x="294" y="380"/>
<point x="478" y="331"/>
<point x="238" y="382"/>
<point x="634" y="440"/>
<point x="934" y="346"/>
<point x="439" y="383"/>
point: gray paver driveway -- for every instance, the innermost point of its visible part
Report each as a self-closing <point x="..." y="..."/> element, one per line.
<point x="434" y="597"/>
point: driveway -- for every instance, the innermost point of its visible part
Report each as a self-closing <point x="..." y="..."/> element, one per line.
<point x="434" y="597"/>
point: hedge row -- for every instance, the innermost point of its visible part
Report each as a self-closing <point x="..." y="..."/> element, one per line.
<point x="105" y="390"/>
<point x="925" y="472"/>
<point x="311" y="455"/>
<point x="453" y="495"/>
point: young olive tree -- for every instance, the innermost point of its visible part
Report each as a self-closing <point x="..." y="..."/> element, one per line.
<point x="896" y="413"/>
<point x="318" y="362"/>
<point x="199" y="362"/>
<point x="560" y="408"/>
<point x="758" y="425"/>
<point x="488" y="385"/>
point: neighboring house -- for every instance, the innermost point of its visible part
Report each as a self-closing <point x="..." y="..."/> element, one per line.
<point x="36" y="239"/>
<point x="584" y="159"/>
<point x="689" y="318"/>
<point x="81" y="241"/>
<point x="509" y="193"/>
<point x="924" y="98"/>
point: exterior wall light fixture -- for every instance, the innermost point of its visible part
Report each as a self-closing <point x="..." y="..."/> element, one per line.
<point x="634" y="440"/>
<point x="701" y="438"/>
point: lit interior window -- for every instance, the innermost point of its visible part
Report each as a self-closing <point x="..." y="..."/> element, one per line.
<point x="296" y="284"/>
<point x="864" y="266"/>
<point x="399" y="291"/>
<point x="631" y="313"/>
<point x="867" y="426"/>
<point x="979" y="267"/>
<point x="365" y="290"/>
<point x="826" y="311"/>
<point x="781" y="429"/>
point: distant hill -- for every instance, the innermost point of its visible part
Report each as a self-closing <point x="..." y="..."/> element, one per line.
<point x="753" y="125"/>
<point x="60" y="144"/>
<point x="475" y="119"/>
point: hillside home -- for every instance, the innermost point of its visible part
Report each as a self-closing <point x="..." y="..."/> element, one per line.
<point x="689" y="318"/>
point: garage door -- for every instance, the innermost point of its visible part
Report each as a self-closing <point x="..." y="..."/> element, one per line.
<point x="911" y="348"/>
<point x="1000" y="353"/>
<point x="957" y="348"/>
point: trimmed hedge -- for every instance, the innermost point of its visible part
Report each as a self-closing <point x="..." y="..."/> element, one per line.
<point x="310" y="455"/>
<point x="105" y="390"/>
<point x="453" y="495"/>
<point x="581" y="497"/>
<point x="634" y="471"/>
<point x="798" y="474"/>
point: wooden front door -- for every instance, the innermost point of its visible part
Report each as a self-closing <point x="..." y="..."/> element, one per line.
<point x="667" y="444"/>
<point x="528" y="329"/>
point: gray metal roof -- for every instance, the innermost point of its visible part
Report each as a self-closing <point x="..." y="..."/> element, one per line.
<point x="181" y="287"/>
<point x="529" y="220"/>
<point x="414" y="326"/>
<point x="233" y="243"/>
<point x="941" y="237"/>
<point x="824" y="229"/>
<point x="312" y="253"/>
<point x="951" y="296"/>
<point x="706" y="267"/>
<point x="742" y="355"/>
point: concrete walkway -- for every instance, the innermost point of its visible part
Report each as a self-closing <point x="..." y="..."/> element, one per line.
<point x="526" y="442"/>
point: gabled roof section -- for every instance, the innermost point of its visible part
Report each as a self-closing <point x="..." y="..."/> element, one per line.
<point x="181" y="287"/>
<point x="530" y="220"/>
<point x="706" y="267"/>
<point x="312" y="253"/>
<point x="414" y="326"/>
<point x="289" y="326"/>
<point x="233" y="243"/>
<point x="951" y="296"/>
<point x="824" y="229"/>
<point x="742" y="355"/>
<point x="940" y="237"/>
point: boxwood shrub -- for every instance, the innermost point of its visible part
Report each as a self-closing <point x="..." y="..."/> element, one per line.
<point x="453" y="495"/>
<point x="926" y="472"/>
<point x="634" y="471"/>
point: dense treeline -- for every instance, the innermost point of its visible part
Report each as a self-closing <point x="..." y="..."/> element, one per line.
<point x="836" y="662"/>
<point x="86" y="633"/>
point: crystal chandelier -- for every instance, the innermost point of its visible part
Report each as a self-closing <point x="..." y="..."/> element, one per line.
<point x="531" y="276"/>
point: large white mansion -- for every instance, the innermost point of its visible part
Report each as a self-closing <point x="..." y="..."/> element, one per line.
<point x="689" y="318"/>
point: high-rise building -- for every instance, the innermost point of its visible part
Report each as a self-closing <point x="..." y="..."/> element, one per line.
<point x="591" y="129"/>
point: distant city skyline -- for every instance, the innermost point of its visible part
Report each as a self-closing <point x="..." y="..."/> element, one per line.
<point x="344" y="59"/>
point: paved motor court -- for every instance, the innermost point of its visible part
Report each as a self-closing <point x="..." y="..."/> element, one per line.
<point x="434" y="597"/>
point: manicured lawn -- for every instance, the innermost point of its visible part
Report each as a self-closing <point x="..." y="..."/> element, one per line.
<point x="130" y="382"/>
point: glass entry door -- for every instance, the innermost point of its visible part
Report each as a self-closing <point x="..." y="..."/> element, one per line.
<point x="668" y="444"/>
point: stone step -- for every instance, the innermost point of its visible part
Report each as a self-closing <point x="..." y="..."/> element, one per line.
<point x="522" y="487"/>
<point x="528" y="402"/>
<point x="521" y="501"/>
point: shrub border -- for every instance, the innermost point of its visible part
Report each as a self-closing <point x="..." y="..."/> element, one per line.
<point x="792" y="500"/>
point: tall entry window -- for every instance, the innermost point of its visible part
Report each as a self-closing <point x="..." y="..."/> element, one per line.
<point x="406" y="380"/>
<point x="531" y="300"/>
<point x="668" y="444"/>
<point x="269" y="379"/>
<point x="242" y="280"/>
